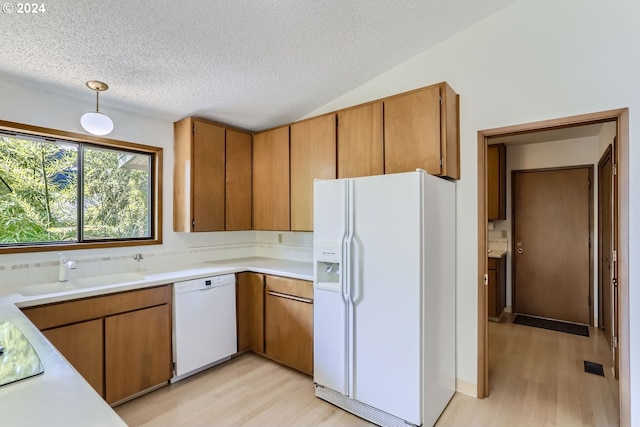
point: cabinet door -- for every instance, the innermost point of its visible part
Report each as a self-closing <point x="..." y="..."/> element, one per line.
<point x="289" y="324"/>
<point x="313" y="156"/>
<point x="271" y="180"/>
<point x="250" y="312"/>
<point x="182" y="153"/>
<point x="137" y="351"/>
<point x="492" y="309"/>
<point x="82" y="345"/>
<point x="360" y="141"/>
<point x="496" y="182"/>
<point x="208" y="177"/>
<point x="238" y="181"/>
<point x="412" y="132"/>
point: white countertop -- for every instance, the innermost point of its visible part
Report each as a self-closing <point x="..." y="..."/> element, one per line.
<point x="497" y="253"/>
<point x="60" y="396"/>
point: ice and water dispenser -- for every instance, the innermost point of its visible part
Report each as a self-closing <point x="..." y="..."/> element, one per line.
<point x="328" y="268"/>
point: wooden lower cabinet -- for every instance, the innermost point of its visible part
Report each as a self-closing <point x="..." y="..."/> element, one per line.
<point x="82" y="344"/>
<point x="497" y="288"/>
<point x="289" y="322"/>
<point x="137" y="351"/>
<point x="120" y="343"/>
<point x="250" y="312"/>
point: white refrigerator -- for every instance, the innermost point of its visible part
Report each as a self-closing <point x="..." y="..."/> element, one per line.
<point x="384" y="296"/>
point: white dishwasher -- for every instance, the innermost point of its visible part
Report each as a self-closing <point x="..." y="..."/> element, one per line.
<point x="204" y="323"/>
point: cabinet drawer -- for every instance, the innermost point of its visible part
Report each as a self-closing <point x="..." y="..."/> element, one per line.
<point x="294" y="287"/>
<point x="64" y="313"/>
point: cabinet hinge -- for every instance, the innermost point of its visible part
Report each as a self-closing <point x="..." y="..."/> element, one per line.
<point x="441" y="162"/>
<point x="589" y="300"/>
<point x="193" y="129"/>
<point x="589" y="241"/>
<point x="615" y="341"/>
<point x="486" y="280"/>
<point x="614" y="169"/>
<point x="589" y="183"/>
<point x="614" y="256"/>
<point x="193" y="223"/>
<point x="440" y="99"/>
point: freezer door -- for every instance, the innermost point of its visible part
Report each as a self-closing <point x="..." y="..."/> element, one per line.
<point x="386" y="290"/>
<point x="329" y="340"/>
<point x="330" y="359"/>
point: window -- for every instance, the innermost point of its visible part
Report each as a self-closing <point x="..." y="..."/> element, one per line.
<point x="75" y="192"/>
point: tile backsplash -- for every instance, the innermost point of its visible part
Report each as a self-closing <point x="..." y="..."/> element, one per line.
<point x="16" y="274"/>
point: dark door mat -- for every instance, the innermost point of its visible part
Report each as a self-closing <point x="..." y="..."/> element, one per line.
<point x="554" y="325"/>
<point x="593" y="368"/>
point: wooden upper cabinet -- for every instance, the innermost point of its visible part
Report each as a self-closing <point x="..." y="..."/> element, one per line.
<point x="208" y="177"/>
<point x="211" y="177"/>
<point x="238" y="181"/>
<point x="421" y="131"/>
<point x="496" y="182"/>
<point x="270" y="179"/>
<point x="313" y="156"/>
<point x="199" y="176"/>
<point x="360" y="141"/>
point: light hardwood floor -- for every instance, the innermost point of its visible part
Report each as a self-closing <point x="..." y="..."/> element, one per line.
<point x="537" y="378"/>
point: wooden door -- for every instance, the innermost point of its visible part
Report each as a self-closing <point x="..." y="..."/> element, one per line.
<point x="360" y="141"/>
<point x="412" y="132"/>
<point x="313" y="156"/>
<point x="605" y="212"/>
<point x="552" y="254"/>
<point x="137" y="351"/>
<point x="82" y="345"/>
<point x="250" y="312"/>
<point x="270" y="180"/>
<point x="208" y="177"/>
<point x="238" y="181"/>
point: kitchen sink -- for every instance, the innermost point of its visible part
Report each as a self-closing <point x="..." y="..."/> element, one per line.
<point x="47" y="288"/>
<point x="81" y="283"/>
<point x="109" y="279"/>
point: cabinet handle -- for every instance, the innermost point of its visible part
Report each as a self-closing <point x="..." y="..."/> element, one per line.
<point x="291" y="297"/>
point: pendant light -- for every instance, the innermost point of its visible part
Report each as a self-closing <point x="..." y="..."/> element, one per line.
<point x="96" y="122"/>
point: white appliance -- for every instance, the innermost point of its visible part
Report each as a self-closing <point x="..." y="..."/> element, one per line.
<point x="384" y="296"/>
<point x="204" y="323"/>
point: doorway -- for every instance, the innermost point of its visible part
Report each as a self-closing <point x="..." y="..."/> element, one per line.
<point x="552" y="225"/>
<point x="620" y="239"/>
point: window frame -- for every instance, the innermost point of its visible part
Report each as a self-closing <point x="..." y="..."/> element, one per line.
<point x="155" y="196"/>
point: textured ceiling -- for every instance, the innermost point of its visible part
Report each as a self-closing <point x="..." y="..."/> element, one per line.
<point x="253" y="64"/>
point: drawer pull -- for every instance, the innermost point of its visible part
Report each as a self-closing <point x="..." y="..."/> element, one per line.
<point x="291" y="297"/>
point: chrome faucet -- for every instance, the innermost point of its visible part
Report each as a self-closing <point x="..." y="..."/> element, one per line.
<point x="65" y="265"/>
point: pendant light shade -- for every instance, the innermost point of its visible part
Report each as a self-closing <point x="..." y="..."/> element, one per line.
<point x="95" y="122"/>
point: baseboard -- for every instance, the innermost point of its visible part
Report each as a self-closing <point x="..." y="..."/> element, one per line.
<point x="465" y="387"/>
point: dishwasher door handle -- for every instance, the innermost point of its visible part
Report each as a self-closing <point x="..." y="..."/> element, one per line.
<point x="291" y="297"/>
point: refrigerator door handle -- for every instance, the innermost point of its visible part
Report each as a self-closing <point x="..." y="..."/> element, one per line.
<point x="350" y="284"/>
<point x="356" y="294"/>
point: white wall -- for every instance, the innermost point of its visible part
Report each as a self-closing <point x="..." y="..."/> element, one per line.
<point x="39" y="108"/>
<point x="534" y="60"/>
<point x="570" y="152"/>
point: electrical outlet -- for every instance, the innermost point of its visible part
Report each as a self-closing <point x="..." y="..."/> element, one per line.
<point x="279" y="237"/>
<point x="504" y="234"/>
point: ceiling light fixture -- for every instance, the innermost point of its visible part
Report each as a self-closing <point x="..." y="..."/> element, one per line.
<point x="96" y="122"/>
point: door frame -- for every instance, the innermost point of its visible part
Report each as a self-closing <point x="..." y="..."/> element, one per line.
<point x="621" y="241"/>
<point x="589" y="168"/>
